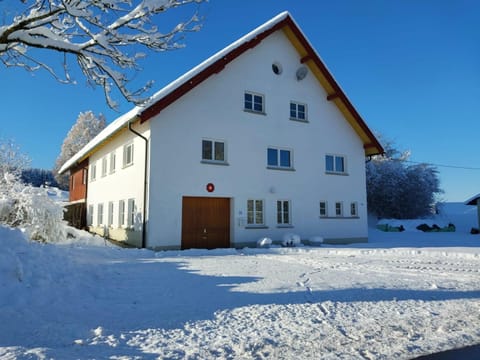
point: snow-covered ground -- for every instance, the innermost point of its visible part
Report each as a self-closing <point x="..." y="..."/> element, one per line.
<point x="400" y="296"/>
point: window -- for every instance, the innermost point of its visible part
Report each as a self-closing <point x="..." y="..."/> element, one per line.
<point x="84" y="176"/>
<point x="213" y="150"/>
<point x="255" y="212"/>
<point x="127" y="155"/>
<point x="110" y="214"/>
<point x="283" y="212"/>
<point x="100" y="214"/>
<point x="338" y="209"/>
<point x="298" y="111"/>
<point x="93" y="172"/>
<point x="279" y="158"/>
<point x="323" y="209"/>
<point x="104" y="166"/>
<point x="353" y="209"/>
<point x="72" y="182"/>
<point x="253" y="102"/>
<point x="335" y="163"/>
<point x="90" y="215"/>
<point x="121" y="213"/>
<point x="113" y="159"/>
<point x="131" y="212"/>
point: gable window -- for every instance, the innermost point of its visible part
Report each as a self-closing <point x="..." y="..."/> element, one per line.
<point x="213" y="151"/>
<point x="323" y="209"/>
<point x="279" y="158"/>
<point x="104" y="166"/>
<point x="110" y="214"/>
<point x="99" y="214"/>
<point x="93" y="172"/>
<point x="131" y="213"/>
<point x="128" y="154"/>
<point x="283" y="212"/>
<point x="255" y="212"/>
<point x="121" y="213"/>
<point x="338" y="209"/>
<point x="353" y="209"/>
<point x="254" y="102"/>
<point x="113" y="159"/>
<point x="335" y="164"/>
<point x="298" y="111"/>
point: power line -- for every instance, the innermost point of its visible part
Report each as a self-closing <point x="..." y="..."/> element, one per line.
<point x="443" y="165"/>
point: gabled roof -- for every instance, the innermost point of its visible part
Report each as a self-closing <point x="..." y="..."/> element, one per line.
<point x="472" y="200"/>
<point x="217" y="63"/>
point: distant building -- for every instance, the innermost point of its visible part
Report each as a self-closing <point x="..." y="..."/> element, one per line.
<point x="475" y="200"/>
<point x="258" y="140"/>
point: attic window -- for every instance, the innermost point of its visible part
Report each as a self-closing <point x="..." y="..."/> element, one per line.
<point x="277" y="68"/>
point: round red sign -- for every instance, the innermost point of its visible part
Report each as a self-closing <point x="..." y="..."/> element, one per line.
<point x="210" y="187"/>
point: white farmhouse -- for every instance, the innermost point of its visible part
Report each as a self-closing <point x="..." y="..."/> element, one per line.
<point x="257" y="141"/>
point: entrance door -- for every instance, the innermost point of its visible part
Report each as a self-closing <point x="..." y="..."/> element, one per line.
<point x="205" y="222"/>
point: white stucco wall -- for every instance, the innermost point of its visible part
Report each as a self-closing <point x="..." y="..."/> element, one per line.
<point x="214" y="110"/>
<point x="123" y="184"/>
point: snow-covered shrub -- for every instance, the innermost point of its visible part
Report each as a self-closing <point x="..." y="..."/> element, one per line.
<point x="316" y="240"/>
<point x="291" y="240"/>
<point x="264" y="242"/>
<point x="31" y="208"/>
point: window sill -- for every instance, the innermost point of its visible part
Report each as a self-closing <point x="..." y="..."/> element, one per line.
<point x="256" y="227"/>
<point x="255" y="112"/>
<point x="280" y="168"/>
<point x="339" y="217"/>
<point x="127" y="165"/>
<point x="285" y="226"/>
<point x="300" y="120"/>
<point x="213" y="162"/>
<point x="336" y="173"/>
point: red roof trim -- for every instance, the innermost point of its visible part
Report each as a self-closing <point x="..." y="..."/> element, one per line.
<point x="220" y="64"/>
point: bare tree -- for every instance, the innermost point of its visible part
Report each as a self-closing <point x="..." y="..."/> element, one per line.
<point x="104" y="36"/>
<point x="12" y="159"/>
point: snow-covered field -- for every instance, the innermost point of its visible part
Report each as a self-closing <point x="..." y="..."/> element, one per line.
<point x="400" y="296"/>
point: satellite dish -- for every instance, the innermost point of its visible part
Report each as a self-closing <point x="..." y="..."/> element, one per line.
<point x="301" y="73"/>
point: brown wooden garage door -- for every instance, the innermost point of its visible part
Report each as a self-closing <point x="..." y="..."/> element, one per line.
<point x="205" y="222"/>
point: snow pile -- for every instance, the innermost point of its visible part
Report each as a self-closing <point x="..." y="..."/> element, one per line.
<point x="291" y="240"/>
<point x="89" y="299"/>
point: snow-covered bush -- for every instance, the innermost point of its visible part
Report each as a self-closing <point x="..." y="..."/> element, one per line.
<point x="264" y="242"/>
<point x="316" y="240"/>
<point x="291" y="240"/>
<point x="31" y="208"/>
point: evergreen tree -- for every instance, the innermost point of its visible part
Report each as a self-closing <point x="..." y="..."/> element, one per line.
<point x="84" y="130"/>
<point x="38" y="177"/>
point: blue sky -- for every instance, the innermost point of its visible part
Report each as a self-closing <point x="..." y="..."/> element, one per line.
<point x="411" y="68"/>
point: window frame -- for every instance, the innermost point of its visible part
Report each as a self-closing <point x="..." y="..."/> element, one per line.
<point x="100" y="217"/>
<point x="334" y="169"/>
<point x="121" y="213"/>
<point x="90" y="216"/>
<point x="110" y="214"/>
<point x="354" y="209"/>
<point x="280" y="212"/>
<point x="254" y="213"/>
<point x="325" y="208"/>
<point x="252" y="108"/>
<point x="84" y="176"/>
<point x="295" y="116"/>
<point x="339" y="209"/>
<point x="113" y="160"/>
<point x="213" y="144"/>
<point x="131" y="213"/>
<point x="104" y="166"/>
<point x="126" y="148"/>
<point x="93" y="172"/>
<point x="279" y="165"/>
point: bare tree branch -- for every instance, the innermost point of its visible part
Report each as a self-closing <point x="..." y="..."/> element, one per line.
<point x="100" y="34"/>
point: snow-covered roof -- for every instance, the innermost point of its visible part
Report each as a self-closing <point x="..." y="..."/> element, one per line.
<point x="472" y="200"/>
<point x="216" y="63"/>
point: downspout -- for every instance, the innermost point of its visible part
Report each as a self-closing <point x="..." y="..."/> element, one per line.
<point x="144" y="238"/>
